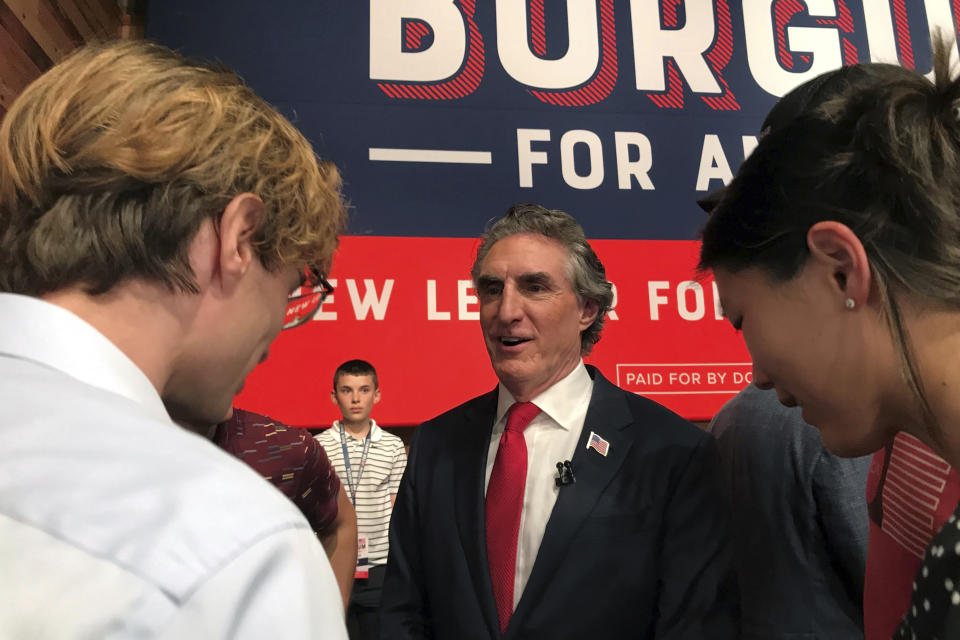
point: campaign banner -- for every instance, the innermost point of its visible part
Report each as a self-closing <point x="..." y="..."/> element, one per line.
<point x="415" y="315"/>
<point x="440" y="114"/>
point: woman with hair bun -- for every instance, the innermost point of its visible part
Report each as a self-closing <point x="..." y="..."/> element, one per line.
<point x="836" y="251"/>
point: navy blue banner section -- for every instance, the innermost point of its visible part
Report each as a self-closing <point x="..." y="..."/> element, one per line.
<point x="442" y="113"/>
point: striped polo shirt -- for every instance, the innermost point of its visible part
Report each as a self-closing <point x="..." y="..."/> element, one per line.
<point x="386" y="460"/>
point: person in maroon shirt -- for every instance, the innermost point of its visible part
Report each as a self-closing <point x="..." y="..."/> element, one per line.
<point x="298" y="466"/>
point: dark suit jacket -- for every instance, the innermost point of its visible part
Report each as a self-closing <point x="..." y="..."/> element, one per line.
<point x="636" y="548"/>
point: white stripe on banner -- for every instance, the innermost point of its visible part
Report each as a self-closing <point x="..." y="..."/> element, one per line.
<point x="430" y="155"/>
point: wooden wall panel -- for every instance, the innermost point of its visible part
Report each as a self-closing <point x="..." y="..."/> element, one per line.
<point x="39" y="18"/>
<point x="34" y="34"/>
<point x="21" y="58"/>
<point x="105" y="13"/>
<point x="22" y="39"/>
<point x="88" y="31"/>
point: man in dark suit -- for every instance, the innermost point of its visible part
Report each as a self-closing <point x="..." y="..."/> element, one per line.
<point x="557" y="505"/>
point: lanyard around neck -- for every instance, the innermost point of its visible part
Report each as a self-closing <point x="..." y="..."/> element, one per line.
<point x="351" y="485"/>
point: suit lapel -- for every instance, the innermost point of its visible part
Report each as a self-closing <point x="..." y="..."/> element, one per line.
<point x="607" y="415"/>
<point x="473" y="441"/>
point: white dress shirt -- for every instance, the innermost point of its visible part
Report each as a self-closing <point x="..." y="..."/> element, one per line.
<point x="551" y="438"/>
<point x="116" y="523"/>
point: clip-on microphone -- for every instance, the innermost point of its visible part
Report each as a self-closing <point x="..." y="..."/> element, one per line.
<point x="564" y="474"/>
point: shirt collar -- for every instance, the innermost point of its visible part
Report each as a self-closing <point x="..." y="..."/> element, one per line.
<point x="375" y="431"/>
<point x="562" y="402"/>
<point x="35" y="330"/>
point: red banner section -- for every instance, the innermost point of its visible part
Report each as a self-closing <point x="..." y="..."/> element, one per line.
<point x="407" y="305"/>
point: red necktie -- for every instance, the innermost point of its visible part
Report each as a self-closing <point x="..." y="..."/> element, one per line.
<point x="504" y="505"/>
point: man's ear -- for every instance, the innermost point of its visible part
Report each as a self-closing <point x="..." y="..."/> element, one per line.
<point x="376" y="396"/>
<point x="588" y="313"/>
<point x="239" y="223"/>
<point x="838" y="249"/>
<point x="333" y="397"/>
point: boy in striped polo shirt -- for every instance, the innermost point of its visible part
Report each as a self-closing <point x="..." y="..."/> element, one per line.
<point x="370" y="463"/>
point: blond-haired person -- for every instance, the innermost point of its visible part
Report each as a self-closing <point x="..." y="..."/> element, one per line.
<point x="155" y="215"/>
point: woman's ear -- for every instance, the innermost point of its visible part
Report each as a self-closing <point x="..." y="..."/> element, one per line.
<point x="838" y="249"/>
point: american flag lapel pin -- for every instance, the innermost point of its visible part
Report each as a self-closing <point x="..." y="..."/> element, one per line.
<point x="598" y="444"/>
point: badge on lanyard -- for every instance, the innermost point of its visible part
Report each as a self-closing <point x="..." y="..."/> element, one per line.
<point x="363" y="568"/>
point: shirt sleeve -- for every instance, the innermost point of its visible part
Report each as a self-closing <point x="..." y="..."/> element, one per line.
<point x="399" y="464"/>
<point x="935" y="603"/>
<point x="838" y="488"/>
<point x="281" y="587"/>
<point x="316" y="493"/>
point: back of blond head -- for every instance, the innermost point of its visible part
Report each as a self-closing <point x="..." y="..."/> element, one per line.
<point x="112" y="159"/>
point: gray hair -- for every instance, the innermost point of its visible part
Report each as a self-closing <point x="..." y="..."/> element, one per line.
<point x="586" y="273"/>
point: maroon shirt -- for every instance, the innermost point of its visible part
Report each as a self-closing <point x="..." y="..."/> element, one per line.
<point x="288" y="457"/>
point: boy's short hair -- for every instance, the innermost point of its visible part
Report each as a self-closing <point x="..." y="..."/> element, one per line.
<point x="355" y="368"/>
<point x="112" y="160"/>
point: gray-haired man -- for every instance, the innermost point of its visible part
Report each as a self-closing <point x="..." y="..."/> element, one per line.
<point x="556" y="505"/>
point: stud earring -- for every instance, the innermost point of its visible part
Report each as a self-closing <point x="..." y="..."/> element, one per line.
<point x="850" y="303"/>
